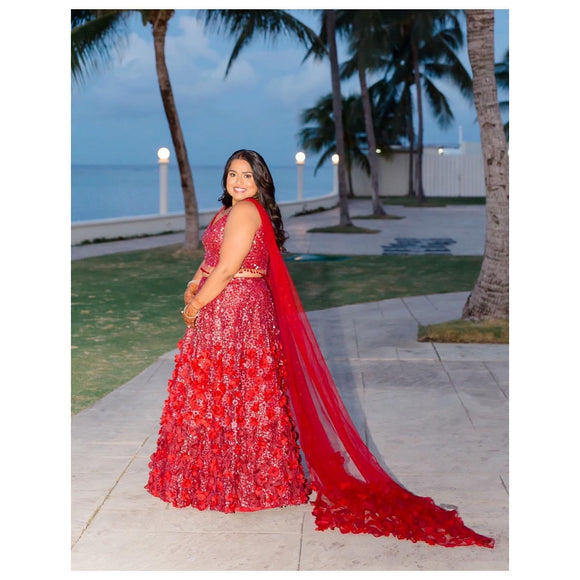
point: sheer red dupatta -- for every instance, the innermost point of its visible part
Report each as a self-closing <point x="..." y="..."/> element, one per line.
<point x="354" y="493"/>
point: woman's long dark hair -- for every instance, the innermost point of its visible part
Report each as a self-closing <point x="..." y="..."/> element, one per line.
<point x="266" y="190"/>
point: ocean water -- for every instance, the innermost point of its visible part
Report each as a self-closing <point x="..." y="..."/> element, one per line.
<point x="110" y="191"/>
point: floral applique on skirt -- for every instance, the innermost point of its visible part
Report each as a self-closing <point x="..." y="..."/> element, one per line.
<point x="227" y="439"/>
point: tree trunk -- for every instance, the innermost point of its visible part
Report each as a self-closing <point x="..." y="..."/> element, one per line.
<point x="159" y="20"/>
<point x="411" y="186"/>
<point x="419" y="165"/>
<point x="330" y="18"/>
<point x="350" y="192"/>
<point x="490" y="296"/>
<point x="411" y="136"/>
<point x="371" y="140"/>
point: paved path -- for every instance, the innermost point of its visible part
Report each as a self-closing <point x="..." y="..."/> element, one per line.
<point x="435" y="414"/>
<point x="465" y="225"/>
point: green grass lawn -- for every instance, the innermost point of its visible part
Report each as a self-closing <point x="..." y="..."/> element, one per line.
<point x="125" y="308"/>
<point x="480" y="332"/>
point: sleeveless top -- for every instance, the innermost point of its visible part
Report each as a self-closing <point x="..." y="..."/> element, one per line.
<point x="257" y="258"/>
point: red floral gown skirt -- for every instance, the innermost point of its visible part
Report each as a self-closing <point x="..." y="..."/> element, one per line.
<point x="227" y="440"/>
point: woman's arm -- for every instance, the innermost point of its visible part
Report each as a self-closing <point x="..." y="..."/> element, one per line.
<point x="241" y="227"/>
<point x="192" y="285"/>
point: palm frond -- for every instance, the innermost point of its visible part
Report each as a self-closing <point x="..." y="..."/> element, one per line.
<point x="439" y="104"/>
<point x="245" y="25"/>
<point x="502" y="72"/>
<point x="95" y="34"/>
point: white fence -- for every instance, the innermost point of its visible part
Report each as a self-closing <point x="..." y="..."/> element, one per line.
<point x="446" y="173"/>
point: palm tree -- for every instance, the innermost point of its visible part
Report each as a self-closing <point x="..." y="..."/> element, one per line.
<point x="159" y="20"/>
<point x="325" y="46"/>
<point x="94" y="33"/>
<point x="425" y="45"/>
<point x="329" y="19"/>
<point x="367" y="41"/>
<point x="319" y="134"/>
<point x="490" y="296"/>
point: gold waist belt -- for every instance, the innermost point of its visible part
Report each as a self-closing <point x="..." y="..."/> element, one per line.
<point x="241" y="273"/>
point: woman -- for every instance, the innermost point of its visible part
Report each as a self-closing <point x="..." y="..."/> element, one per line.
<point x="250" y="376"/>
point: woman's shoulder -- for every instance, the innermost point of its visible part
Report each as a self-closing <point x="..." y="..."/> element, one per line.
<point x="246" y="210"/>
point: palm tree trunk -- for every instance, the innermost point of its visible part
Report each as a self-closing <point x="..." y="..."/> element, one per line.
<point x="411" y="136"/>
<point x="411" y="186"/>
<point x="330" y="19"/>
<point x="159" y="20"/>
<point x="490" y="296"/>
<point x="419" y="166"/>
<point x="349" y="181"/>
<point x="371" y="140"/>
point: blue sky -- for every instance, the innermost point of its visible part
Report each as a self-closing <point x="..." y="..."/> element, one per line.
<point x="117" y="116"/>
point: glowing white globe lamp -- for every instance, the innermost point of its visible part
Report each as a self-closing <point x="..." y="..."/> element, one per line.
<point x="163" y="155"/>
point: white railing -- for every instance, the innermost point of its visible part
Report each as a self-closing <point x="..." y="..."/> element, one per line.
<point x="110" y="229"/>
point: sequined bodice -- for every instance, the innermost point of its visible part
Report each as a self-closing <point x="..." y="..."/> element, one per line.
<point x="257" y="257"/>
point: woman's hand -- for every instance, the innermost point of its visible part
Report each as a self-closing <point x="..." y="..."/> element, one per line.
<point x="190" y="312"/>
<point x="190" y="291"/>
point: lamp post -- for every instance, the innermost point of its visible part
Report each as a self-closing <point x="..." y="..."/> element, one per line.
<point x="335" y="160"/>
<point x="163" y="156"/>
<point x="300" y="158"/>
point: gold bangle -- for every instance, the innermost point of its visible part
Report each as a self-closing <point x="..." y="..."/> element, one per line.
<point x="197" y="309"/>
<point x="189" y="320"/>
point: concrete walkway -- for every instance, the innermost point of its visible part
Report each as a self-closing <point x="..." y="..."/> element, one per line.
<point x="465" y="225"/>
<point x="436" y="415"/>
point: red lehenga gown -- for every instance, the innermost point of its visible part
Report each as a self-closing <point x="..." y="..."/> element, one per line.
<point x="227" y="440"/>
<point x="248" y="378"/>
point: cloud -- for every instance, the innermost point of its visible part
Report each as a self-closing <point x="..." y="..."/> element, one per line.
<point x="205" y="83"/>
<point x="191" y="45"/>
<point x="299" y="83"/>
<point x="136" y="60"/>
<point x="303" y="85"/>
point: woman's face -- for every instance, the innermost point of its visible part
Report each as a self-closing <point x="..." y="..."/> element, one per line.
<point x="240" y="182"/>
